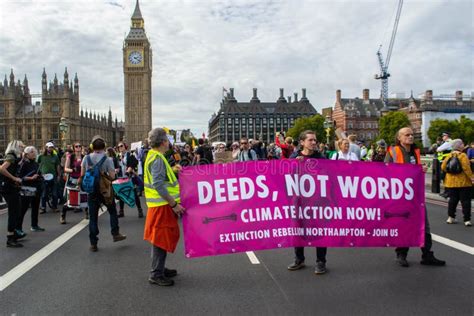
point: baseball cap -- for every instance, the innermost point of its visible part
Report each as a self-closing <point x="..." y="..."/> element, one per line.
<point x="445" y="134"/>
<point x="49" y="144"/>
<point x="97" y="137"/>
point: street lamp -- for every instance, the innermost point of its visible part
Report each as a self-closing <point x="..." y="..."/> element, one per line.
<point x="63" y="129"/>
<point x="328" y="124"/>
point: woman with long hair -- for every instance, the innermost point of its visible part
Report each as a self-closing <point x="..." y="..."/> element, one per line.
<point x="10" y="188"/>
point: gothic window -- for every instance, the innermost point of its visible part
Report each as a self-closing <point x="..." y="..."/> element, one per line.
<point x="29" y="133"/>
<point x="2" y="110"/>
<point x="368" y="113"/>
<point x="54" y="132"/>
<point x="55" y="108"/>
<point x="349" y="126"/>
<point x="38" y="132"/>
<point x="2" y="133"/>
<point x="19" y="132"/>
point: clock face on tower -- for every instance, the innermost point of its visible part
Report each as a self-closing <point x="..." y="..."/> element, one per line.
<point x="135" y="57"/>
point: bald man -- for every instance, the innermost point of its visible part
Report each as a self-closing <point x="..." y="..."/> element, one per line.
<point x="405" y="151"/>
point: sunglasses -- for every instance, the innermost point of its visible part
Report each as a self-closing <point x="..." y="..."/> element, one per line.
<point x="119" y="146"/>
<point x="78" y="146"/>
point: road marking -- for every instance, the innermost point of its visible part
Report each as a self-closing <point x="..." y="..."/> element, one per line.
<point x="253" y="258"/>
<point x="453" y="244"/>
<point x="14" y="274"/>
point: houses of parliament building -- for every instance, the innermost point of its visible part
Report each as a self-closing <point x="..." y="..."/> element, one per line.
<point x="56" y="118"/>
<point x="59" y="118"/>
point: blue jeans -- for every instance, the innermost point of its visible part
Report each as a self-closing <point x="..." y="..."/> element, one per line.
<point x="49" y="186"/>
<point x="94" y="202"/>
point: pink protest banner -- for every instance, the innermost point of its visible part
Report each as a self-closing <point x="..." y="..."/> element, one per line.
<point x="246" y="206"/>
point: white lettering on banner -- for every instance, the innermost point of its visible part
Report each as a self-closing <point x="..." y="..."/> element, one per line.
<point x="394" y="189"/>
<point x="306" y="185"/>
<point x="232" y="189"/>
<point x="263" y="214"/>
<point x="245" y="188"/>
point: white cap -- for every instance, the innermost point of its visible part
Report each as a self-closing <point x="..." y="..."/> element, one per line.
<point x="49" y="144"/>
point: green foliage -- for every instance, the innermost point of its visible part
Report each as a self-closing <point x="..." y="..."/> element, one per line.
<point x="462" y="128"/>
<point x="390" y="123"/>
<point x="314" y="123"/>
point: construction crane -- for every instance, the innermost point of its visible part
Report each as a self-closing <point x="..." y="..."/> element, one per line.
<point x="384" y="74"/>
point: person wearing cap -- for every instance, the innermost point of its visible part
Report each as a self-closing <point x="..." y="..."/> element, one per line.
<point x="49" y="164"/>
<point x="459" y="185"/>
<point x="235" y="151"/>
<point x="95" y="199"/>
<point x="443" y="151"/>
<point x="381" y="151"/>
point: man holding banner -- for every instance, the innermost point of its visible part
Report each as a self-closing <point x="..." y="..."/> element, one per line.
<point x="405" y="152"/>
<point x="309" y="146"/>
<point x="162" y="199"/>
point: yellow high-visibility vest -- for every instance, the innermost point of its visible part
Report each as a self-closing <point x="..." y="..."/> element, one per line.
<point x="152" y="197"/>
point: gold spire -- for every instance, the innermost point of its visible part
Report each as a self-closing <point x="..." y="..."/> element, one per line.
<point x="137" y="19"/>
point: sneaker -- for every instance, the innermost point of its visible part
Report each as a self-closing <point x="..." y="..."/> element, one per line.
<point x="42" y="210"/>
<point x="161" y="281"/>
<point x="93" y="248"/>
<point x="444" y="194"/>
<point x="37" y="229"/>
<point x="62" y="219"/>
<point x="86" y="214"/>
<point x="119" y="237"/>
<point x="169" y="273"/>
<point x="121" y="214"/>
<point x="13" y="243"/>
<point x="140" y="213"/>
<point x="55" y="210"/>
<point x="320" y="268"/>
<point x="451" y="220"/>
<point x="402" y="261"/>
<point x="430" y="260"/>
<point x="296" y="265"/>
<point x="19" y="234"/>
<point x="467" y="223"/>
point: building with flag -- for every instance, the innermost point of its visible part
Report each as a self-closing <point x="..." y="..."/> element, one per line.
<point x="256" y="119"/>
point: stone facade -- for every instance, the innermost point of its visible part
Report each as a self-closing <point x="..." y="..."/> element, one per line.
<point x="423" y="110"/>
<point x="137" y="69"/>
<point x="255" y="119"/>
<point x="360" y="116"/>
<point x="39" y="122"/>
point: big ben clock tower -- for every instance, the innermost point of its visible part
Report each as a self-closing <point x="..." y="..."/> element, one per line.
<point x="137" y="69"/>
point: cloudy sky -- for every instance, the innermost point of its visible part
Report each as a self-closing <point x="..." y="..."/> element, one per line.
<point x="201" y="46"/>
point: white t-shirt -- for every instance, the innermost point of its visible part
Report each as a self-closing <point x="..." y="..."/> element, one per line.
<point x="341" y="156"/>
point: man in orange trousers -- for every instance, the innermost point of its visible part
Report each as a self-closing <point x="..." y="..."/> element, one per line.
<point x="164" y="208"/>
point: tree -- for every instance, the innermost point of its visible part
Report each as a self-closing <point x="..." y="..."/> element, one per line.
<point x="314" y="123"/>
<point x="390" y="124"/>
<point x="463" y="129"/>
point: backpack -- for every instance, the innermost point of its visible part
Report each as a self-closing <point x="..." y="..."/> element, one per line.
<point x="453" y="165"/>
<point x="90" y="181"/>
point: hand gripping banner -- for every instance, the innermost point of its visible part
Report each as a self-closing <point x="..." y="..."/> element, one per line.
<point x="258" y="205"/>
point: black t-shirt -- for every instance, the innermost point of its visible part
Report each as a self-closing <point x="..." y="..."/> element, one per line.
<point x="205" y="155"/>
<point x="6" y="183"/>
<point x="28" y="168"/>
<point x="316" y="154"/>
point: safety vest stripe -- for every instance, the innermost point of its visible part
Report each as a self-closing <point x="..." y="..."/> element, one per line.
<point x="150" y="186"/>
<point x="161" y="199"/>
